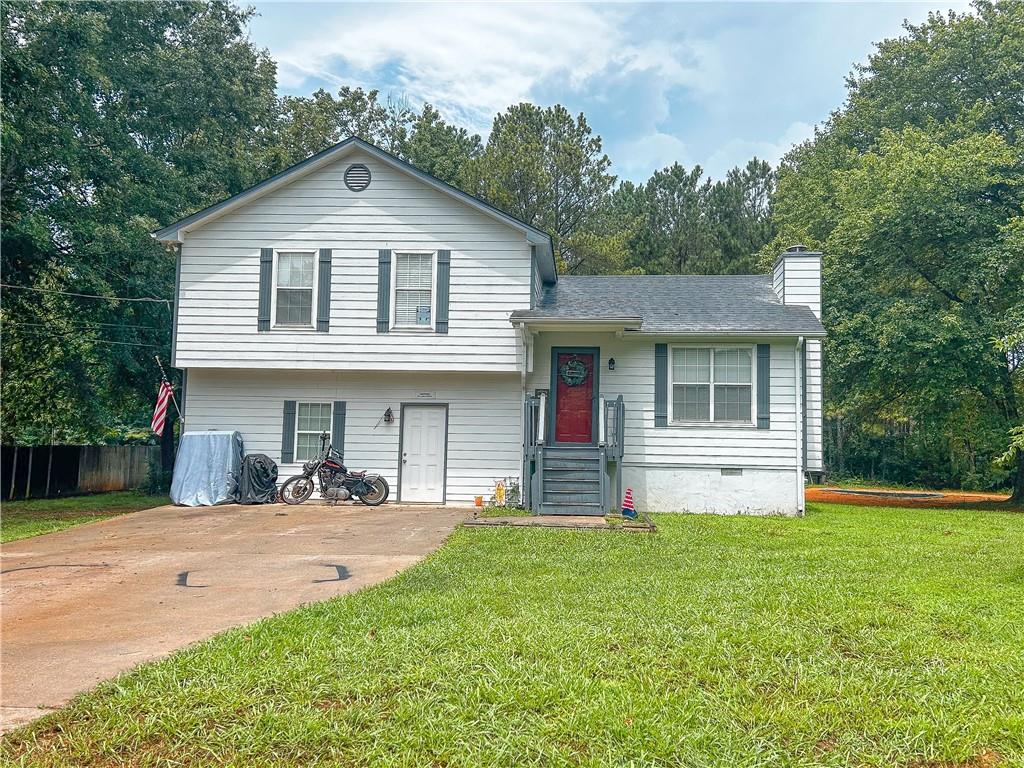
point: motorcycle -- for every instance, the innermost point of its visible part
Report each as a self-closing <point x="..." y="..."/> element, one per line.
<point x="336" y="482"/>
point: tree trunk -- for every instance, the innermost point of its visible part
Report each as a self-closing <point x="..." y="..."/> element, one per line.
<point x="1018" y="481"/>
<point x="1013" y="412"/>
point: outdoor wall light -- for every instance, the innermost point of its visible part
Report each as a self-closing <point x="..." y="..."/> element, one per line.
<point x="389" y="416"/>
<point x="611" y="363"/>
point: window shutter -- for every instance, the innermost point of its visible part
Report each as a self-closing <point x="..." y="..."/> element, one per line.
<point x="661" y="385"/>
<point x="323" y="292"/>
<point x="266" y="275"/>
<point x="338" y="426"/>
<point x="383" y="290"/>
<point x="444" y="270"/>
<point x="764" y="381"/>
<point x="288" y="433"/>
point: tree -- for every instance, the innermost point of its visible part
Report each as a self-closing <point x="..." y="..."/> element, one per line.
<point x="439" y="148"/>
<point x="692" y="225"/>
<point x="548" y="169"/>
<point x="116" y="117"/>
<point x="914" y="192"/>
<point x="310" y="125"/>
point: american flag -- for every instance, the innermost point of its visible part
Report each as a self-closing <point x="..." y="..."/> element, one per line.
<point x="160" y="412"/>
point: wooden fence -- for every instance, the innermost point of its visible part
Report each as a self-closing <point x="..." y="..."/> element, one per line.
<point x="62" y="470"/>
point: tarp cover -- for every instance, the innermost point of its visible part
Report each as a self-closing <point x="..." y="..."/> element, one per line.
<point x="207" y="469"/>
<point x="259" y="480"/>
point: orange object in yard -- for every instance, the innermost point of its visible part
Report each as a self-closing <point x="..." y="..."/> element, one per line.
<point x="479" y="501"/>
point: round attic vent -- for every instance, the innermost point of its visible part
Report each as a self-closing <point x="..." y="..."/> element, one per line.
<point x="357" y="177"/>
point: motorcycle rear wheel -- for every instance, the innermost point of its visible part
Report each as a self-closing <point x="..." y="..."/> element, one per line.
<point x="296" y="489"/>
<point x="378" y="494"/>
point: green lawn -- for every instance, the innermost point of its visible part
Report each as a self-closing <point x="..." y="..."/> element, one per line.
<point x="21" y="519"/>
<point x="855" y="636"/>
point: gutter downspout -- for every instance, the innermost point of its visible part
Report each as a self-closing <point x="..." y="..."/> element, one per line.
<point x="800" y="417"/>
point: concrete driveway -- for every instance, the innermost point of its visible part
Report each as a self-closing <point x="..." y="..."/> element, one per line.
<point x="82" y="605"/>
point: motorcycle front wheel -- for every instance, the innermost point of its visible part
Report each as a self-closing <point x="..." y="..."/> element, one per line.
<point x="296" y="489"/>
<point x="378" y="494"/>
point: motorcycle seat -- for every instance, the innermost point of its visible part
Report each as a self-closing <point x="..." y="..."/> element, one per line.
<point x="359" y="474"/>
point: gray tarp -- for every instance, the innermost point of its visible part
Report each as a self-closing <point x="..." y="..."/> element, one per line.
<point x="207" y="469"/>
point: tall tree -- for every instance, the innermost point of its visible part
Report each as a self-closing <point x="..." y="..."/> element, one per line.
<point x="116" y="116"/>
<point x="913" y="189"/>
<point x="689" y="224"/>
<point x="546" y="168"/>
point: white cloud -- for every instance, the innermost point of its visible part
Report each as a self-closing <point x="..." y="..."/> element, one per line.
<point x="725" y="156"/>
<point x="637" y="158"/>
<point x="472" y="61"/>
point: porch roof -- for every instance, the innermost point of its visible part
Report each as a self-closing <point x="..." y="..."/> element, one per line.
<point x="675" y="304"/>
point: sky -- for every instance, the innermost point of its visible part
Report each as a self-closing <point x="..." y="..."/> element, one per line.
<point x="709" y="84"/>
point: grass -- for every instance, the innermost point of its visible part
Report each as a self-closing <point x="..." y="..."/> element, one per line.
<point x="855" y="636"/>
<point x="21" y="519"/>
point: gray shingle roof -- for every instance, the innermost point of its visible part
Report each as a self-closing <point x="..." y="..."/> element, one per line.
<point x="676" y="304"/>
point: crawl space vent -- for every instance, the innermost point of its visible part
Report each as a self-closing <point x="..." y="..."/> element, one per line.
<point x="357" y="177"/>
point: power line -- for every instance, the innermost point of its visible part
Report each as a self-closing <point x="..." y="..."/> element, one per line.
<point x="88" y="295"/>
<point x="42" y="335"/>
<point x="86" y="325"/>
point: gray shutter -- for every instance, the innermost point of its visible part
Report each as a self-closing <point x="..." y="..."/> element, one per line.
<point x="661" y="385"/>
<point x="266" y="275"/>
<point x="338" y="426"/>
<point x="288" y="433"/>
<point x="323" y="292"/>
<point x="383" y="290"/>
<point x="764" y="381"/>
<point x="444" y="271"/>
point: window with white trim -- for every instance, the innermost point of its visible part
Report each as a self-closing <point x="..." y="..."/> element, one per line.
<point x="414" y="290"/>
<point x="294" y="287"/>
<point x="713" y="384"/>
<point x="311" y="420"/>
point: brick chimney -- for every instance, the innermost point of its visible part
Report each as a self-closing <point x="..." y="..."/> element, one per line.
<point x="797" y="277"/>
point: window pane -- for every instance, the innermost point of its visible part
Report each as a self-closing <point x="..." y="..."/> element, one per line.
<point x="414" y="270"/>
<point x="732" y="366"/>
<point x="294" y="306"/>
<point x="295" y="270"/>
<point x="412" y="307"/>
<point x="732" y="403"/>
<point x="691" y="365"/>
<point x="307" y="445"/>
<point x="691" y="402"/>
<point x="314" y="417"/>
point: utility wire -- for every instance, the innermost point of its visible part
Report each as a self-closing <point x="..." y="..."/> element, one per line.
<point x="85" y="325"/>
<point x="88" y="295"/>
<point x="42" y="335"/>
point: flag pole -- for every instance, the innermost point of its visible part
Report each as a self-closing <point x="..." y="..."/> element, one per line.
<point x="163" y="375"/>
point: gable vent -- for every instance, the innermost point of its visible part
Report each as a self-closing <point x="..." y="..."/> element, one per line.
<point x="357" y="177"/>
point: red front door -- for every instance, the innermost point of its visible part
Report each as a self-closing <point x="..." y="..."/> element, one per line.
<point x="574" y="397"/>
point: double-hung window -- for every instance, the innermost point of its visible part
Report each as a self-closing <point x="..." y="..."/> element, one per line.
<point x="414" y="290"/>
<point x="293" y="291"/>
<point x="712" y="384"/>
<point x="311" y="420"/>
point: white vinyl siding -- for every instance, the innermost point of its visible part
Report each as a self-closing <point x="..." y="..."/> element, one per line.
<point x="484" y="418"/>
<point x="728" y="444"/>
<point x="414" y="290"/>
<point x="712" y="384"/>
<point x="219" y="299"/>
<point x="294" y="289"/>
<point x="312" y="420"/>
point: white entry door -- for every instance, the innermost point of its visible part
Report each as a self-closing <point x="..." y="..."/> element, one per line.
<point x="423" y="452"/>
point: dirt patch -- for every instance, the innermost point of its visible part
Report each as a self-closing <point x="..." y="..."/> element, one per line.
<point x="987" y="758"/>
<point x="894" y="497"/>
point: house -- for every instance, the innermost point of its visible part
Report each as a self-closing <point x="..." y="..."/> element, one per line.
<point x="431" y="335"/>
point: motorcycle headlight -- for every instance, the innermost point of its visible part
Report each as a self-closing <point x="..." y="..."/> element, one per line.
<point x="309" y="466"/>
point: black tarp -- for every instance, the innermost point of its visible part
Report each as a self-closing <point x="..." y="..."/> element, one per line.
<point x="259" y="480"/>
